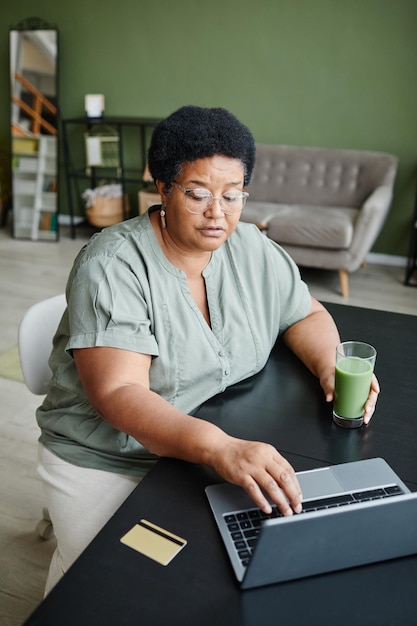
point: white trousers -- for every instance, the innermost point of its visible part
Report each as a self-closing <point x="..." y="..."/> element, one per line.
<point x="80" y="501"/>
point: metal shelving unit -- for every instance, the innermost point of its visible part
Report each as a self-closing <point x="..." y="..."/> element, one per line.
<point x="80" y="174"/>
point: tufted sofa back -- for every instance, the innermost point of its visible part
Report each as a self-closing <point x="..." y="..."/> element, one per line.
<point x="318" y="176"/>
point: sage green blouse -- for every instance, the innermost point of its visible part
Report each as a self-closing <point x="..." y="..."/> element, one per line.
<point x="122" y="292"/>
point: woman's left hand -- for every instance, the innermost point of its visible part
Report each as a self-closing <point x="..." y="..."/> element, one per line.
<point x="372" y="400"/>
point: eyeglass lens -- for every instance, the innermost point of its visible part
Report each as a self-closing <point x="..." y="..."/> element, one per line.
<point x="199" y="200"/>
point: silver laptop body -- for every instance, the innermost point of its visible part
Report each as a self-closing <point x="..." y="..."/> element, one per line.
<point x="327" y="539"/>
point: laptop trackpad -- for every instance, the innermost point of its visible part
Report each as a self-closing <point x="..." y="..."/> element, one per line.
<point x="319" y="483"/>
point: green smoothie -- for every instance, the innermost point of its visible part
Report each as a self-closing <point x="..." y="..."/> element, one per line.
<point x="353" y="381"/>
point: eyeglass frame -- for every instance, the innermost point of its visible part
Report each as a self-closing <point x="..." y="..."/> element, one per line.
<point x="210" y="197"/>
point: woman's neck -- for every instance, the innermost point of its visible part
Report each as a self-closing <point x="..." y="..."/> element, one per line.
<point x="192" y="264"/>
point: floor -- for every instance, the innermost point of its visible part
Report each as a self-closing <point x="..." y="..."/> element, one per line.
<point x="31" y="271"/>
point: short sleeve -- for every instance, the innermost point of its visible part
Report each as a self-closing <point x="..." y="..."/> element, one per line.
<point x="294" y="295"/>
<point x="108" y="306"/>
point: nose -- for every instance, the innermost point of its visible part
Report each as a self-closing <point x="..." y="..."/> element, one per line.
<point x="215" y="208"/>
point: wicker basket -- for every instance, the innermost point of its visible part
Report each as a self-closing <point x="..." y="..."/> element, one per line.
<point x="107" y="211"/>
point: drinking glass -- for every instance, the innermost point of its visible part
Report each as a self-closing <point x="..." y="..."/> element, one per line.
<point x="355" y="362"/>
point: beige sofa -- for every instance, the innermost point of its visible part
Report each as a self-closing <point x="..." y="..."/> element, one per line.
<point x="326" y="207"/>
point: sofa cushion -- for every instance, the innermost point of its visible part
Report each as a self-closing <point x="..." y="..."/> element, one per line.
<point x="259" y="213"/>
<point x="309" y="226"/>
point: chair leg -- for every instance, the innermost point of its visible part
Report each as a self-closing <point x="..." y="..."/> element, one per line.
<point x="44" y="526"/>
<point x="344" y="283"/>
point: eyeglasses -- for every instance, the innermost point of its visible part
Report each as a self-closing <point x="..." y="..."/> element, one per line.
<point x="199" y="200"/>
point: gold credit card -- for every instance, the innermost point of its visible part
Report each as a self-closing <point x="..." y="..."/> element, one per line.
<point x="154" y="542"/>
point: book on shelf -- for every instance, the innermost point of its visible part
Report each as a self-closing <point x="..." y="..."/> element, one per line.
<point x="48" y="221"/>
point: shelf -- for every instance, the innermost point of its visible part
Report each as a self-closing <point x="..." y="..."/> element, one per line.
<point x="25" y="187"/>
<point x="130" y="175"/>
<point x="125" y="171"/>
<point x="34" y="189"/>
<point x="44" y="235"/>
<point x="26" y="164"/>
<point x="112" y="120"/>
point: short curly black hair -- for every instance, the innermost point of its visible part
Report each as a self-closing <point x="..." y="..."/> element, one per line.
<point x="192" y="133"/>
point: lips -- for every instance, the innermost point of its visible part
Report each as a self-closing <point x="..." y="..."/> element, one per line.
<point x="212" y="231"/>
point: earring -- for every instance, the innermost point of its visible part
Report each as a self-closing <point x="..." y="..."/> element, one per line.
<point x="162" y="216"/>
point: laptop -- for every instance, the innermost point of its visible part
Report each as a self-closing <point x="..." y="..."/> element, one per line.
<point x="353" y="514"/>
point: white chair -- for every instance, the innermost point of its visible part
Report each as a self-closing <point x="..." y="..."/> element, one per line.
<point x="35" y="335"/>
<point x="36" y="331"/>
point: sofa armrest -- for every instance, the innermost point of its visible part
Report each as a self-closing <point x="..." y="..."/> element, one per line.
<point x="377" y="203"/>
<point x="369" y="223"/>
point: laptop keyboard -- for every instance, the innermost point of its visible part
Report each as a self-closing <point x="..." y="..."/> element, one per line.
<point x="244" y="526"/>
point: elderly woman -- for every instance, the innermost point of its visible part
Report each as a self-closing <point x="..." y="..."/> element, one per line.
<point x="165" y="311"/>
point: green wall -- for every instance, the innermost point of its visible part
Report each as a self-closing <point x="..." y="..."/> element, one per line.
<point x="334" y="73"/>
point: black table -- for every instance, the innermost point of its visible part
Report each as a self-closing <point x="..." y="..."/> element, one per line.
<point x="112" y="584"/>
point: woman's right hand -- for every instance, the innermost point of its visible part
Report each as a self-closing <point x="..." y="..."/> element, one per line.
<point x="261" y="471"/>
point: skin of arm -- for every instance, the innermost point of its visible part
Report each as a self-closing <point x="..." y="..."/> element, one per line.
<point x="314" y="340"/>
<point x="117" y="385"/>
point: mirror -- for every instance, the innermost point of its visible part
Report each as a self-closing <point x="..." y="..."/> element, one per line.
<point x="34" y="129"/>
